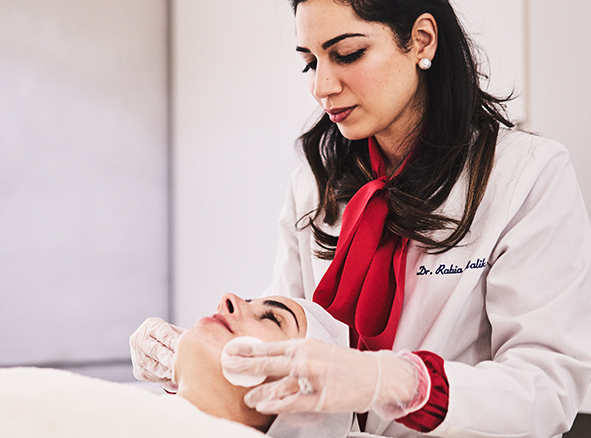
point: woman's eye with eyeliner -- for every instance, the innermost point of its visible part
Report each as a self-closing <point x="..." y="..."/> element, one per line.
<point x="350" y="58"/>
<point x="309" y="66"/>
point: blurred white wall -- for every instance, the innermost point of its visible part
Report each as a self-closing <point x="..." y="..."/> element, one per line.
<point x="239" y="103"/>
<point x="83" y="180"/>
<point x="497" y="29"/>
<point x="560" y="66"/>
<point x="560" y="92"/>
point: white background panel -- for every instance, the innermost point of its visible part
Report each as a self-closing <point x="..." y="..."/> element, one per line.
<point x="83" y="177"/>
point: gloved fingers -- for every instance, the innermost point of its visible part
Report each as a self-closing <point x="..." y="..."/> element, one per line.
<point x="273" y="390"/>
<point x="167" y="335"/>
<point x="140" y="372"/>
<point x="248" y="349"/>
<point x="272" y="366"/>
<point x="286" y="395"/>
<point x="148" y="376"/>
<point x="157" y="330"/>
<point x="159" y="354"/>
<point x="290" y="404"/>
<point x="155" y="370"/>
<point x="274" y="359"/>
<point x="152" y="349"/>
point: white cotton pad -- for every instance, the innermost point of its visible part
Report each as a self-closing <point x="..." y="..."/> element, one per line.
<point x="238" y="379"/>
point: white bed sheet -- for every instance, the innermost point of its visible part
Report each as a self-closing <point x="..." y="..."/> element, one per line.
<point x="49" y="403"/>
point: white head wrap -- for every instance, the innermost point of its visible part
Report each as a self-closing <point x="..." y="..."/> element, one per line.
<point x="321" y="326"/>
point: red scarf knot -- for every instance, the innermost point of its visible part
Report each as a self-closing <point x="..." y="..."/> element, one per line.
<point x="364" y="285"/>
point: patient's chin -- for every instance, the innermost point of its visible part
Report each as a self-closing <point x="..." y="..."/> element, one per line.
<point x="226" y="402"/>
<point x="200" y="379"/>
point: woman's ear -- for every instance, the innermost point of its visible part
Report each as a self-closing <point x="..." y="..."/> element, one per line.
<point x="424" y="35"/>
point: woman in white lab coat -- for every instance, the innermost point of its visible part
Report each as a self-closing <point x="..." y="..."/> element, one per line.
<point x="464" y="247"/>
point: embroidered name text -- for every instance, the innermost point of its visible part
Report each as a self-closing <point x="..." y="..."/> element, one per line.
<point x="452" y="269"/>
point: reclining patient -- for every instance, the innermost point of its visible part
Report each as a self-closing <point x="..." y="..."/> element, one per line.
<point x="197" y="367"/>
<point x="47" y="403"/>
<point x="198" y="371"/>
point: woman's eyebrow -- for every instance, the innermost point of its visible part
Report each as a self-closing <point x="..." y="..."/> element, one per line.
<point x="332" y="41"/>
<point x="278" y="305"/>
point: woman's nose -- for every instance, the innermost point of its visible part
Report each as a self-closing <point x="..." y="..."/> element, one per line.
<point x="231" y="304"/>
<point x="325" y="83"/>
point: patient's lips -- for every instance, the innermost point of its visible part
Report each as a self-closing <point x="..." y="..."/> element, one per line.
<point x="219" y="319"/>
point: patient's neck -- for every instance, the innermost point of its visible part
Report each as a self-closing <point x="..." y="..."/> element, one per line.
<point x="219" y="398"/>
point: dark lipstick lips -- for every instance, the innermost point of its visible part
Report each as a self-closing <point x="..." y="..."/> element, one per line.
<point x="338" y="115"/>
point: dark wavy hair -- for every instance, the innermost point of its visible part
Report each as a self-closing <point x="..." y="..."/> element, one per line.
<point x="459" y="131"/>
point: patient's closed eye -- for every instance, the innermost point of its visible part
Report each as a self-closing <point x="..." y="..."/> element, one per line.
<point x="270" y="315"/>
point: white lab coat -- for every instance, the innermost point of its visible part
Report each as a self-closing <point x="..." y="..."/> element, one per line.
<point x="509" y="309"/>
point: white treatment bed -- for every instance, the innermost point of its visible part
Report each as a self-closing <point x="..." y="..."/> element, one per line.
<point x="48" y="403"/>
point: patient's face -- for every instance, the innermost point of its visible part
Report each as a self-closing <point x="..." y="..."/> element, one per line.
<point x="197" y="366"/>
<point x="269" y="319"/>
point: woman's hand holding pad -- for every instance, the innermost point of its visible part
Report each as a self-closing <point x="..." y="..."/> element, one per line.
<point x="313" y="376"/>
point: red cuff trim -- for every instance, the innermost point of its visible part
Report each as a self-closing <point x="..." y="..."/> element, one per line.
<point x="433" y="413"/>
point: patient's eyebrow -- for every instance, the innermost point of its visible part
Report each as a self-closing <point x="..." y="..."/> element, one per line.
<point x="278" y="305"/>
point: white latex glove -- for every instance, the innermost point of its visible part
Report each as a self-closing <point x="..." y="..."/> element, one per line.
<point x="319" y="377"/>
<point x="152" y="347"/>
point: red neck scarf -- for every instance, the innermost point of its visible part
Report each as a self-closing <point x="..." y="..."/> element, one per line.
<point x="364" y="285"/>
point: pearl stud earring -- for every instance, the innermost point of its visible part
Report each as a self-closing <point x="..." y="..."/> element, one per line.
<point x="425" y="64"/>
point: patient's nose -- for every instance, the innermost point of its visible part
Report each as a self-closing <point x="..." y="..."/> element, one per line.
<point x="231" y="304"/>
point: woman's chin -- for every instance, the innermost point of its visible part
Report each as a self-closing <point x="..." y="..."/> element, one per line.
<point x="352" y="133"/>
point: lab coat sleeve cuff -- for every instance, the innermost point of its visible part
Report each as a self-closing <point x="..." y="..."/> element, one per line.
<point x="433" y="413"/>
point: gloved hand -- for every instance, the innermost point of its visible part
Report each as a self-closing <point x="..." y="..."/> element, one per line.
<point x="152" y="347"/>
<point x="319" y="377"/>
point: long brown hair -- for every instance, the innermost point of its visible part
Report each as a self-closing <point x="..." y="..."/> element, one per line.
<point x="459" y="131"/>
